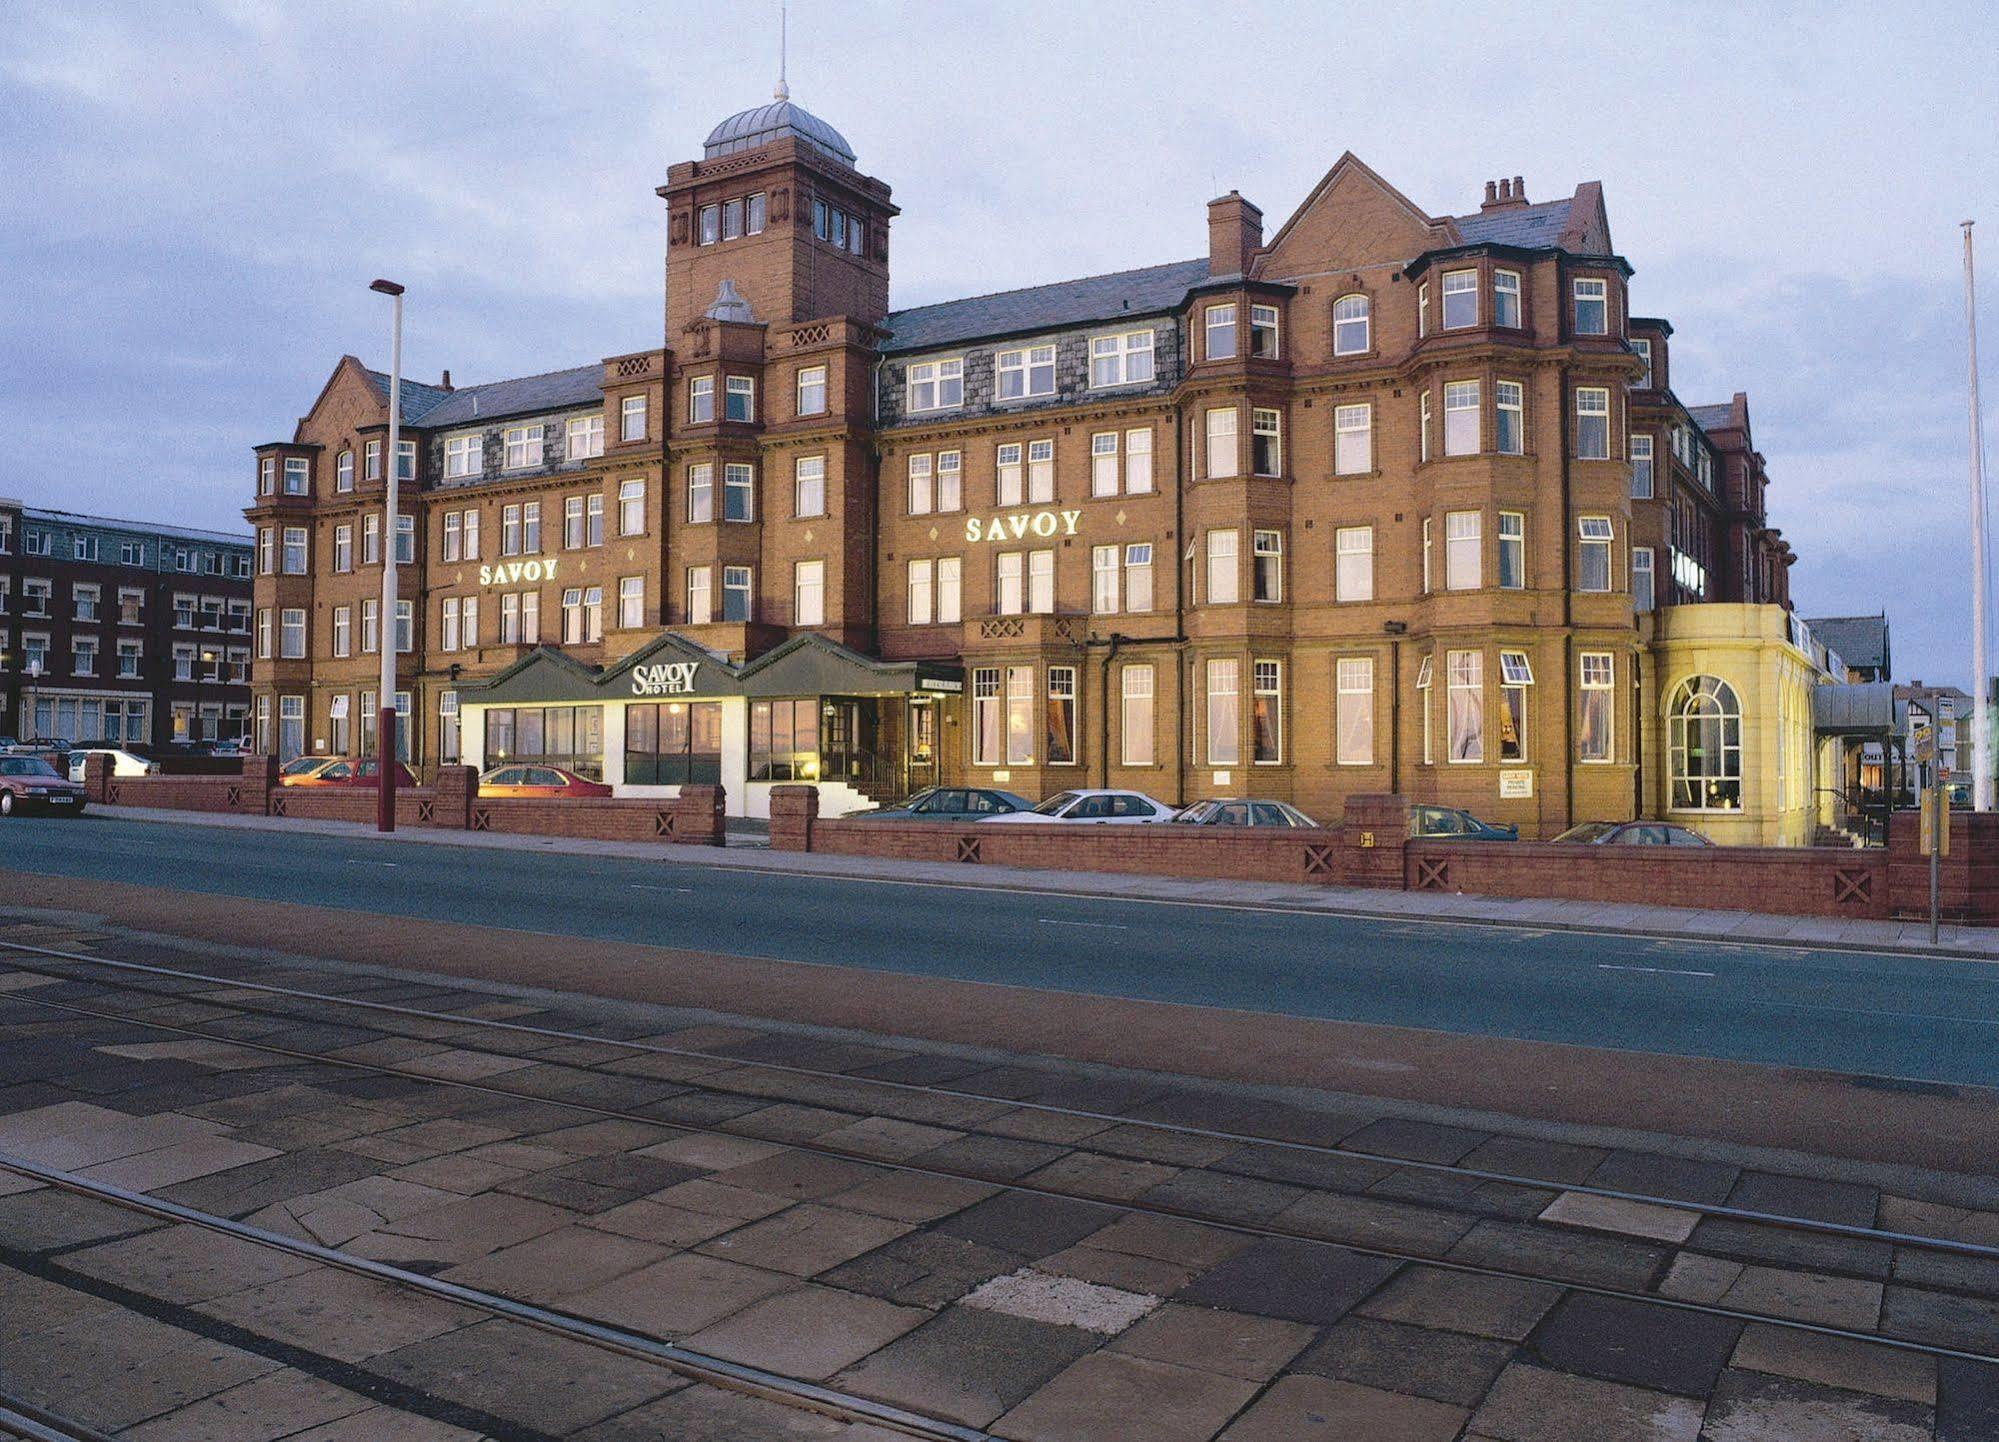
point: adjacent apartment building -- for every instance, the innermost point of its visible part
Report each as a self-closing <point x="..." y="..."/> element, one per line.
<point x="121" y="631"/>
<point x="1381" y="500"/>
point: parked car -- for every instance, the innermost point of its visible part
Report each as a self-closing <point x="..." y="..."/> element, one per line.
<point x="1110" y="807"/>
<point x="350" y="771"/>
<point x="1244" y="813"/>
<point x="949" y="803"/>
<point x="1633" y="833"/>
<point x="301" y="766"/>
<point x="30" y="783"/>
<point x="40" y="746"/>
<point x="1453" y="822"/>
<point x="543" y="781"/>
<point x="123" y="763"/>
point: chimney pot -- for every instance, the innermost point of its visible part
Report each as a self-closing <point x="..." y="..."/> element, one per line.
<point x="445" y="384"/>
<point x="1519" y="188"/>
<point x="1491" y="191"/>
<point x="1235" y="234"/>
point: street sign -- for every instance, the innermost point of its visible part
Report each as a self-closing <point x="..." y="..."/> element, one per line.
<point x="1922" y="740"/>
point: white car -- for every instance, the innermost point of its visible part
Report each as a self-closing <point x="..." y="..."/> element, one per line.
<point x="123" y="763"/>
<point x="1115" y="808"/>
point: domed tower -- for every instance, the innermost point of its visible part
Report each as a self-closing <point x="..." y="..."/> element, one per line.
<point x="776" y="207"/>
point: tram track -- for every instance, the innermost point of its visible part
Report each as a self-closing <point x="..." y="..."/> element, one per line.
<point x="1262" y="1230"/>
<point x="20" y="1418"/>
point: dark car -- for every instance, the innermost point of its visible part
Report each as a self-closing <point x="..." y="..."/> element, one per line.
<point x="1243" y="813"/>
<point x="950" y="803"/>
<point x="1633" y="833"/>
<point x="28" y="783"/>
<point x="1455" y="823"/>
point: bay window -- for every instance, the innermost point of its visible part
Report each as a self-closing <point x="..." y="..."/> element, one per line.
<point x="1266" y="714"/>
<point x="738" y="490"/>
<point x="1516" y="674"/>
<point x="1223" y="459"/>
<point x="1061" y="716"/>
<point x="1594" y="537"/>
<point x="1267" y="566"/>
<point x="1592" y="306"/>
<point x="1224" y="743"/>
<point x="1266" y="442"/>
<point x="736" y="593"/>
<point x="1222" y="580"/>
<point x="1592" y="423"/>
<point x="1263" y="327"/>
<point x="1461" y="426"/>
<point x="1218" y="325"/>
<point x="1463" y="551"/>
<point x="1460" y="299"/>
<point x="1509" y="417"/>
<point x="1595" y="702"/>
<point x="1506" y="299"/>
<point x="1466" y="706"/>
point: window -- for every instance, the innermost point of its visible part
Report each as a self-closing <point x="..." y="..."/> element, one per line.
<point x="447" y="728"/>
<point x="631" y="602"/>
<point x="701" y="493"/>
<point x="1515" y="676"/>
<point x="1103" y="464"/>
<point x="1040" y="472"/>
<point x="343" y="471"/>
<point x="1104" y="580"/>
<point x="1263" y="332"/>
<point x="568" y="736"/>
<point x="266" y="551"/>
<point x="936" y="385"/>
<point x="700" y="400"/>
<point x="1423" y="696"/>
<point x="291" y="726"/>
<point x="632" y="417"/>
<point x="1266" y="442"/>
<point x="129" y="654"/>
<point x="1353" y="711"/>
<point x="922" y="494"/>
<point x="405" y="625"/>
<point x="131" y="603"/>
<point x="921" y="592"/>
<point x="711" y="224"/>
<point x="1224" y="744"/>
<point x="1021" y="374"/>
<point x="1461" y="418"/>
<point x="1223" y="459"/>
<point x="1267" y="566"/>
<point x="811" y="387"/>
<point x="1423" y="451"/>
<point x="1219" y="324"/>
<point x="739" y="400"/>
<point x="700" y="605"/>
<point x="1007" y="475"/>
<point x="1592" y="423"/>
<point x="631" y="511"/>
<point x="1138" y="577"/>
<point x="1351" y="324"/>
<point x="1596" y="673"/>
<point x="1506" y="299"/>
<point x="1353" y="575"/>
<point x="735" y="593"/>
<point x="523" y="446"/>
<point x="85" y="599"/>
<point x="808" y="492"/>
<point x="732" y="219"/>
<point x="1426" y="555"/>
<point x="373" y="465"/>
<point x="35" y="653"/>
<point x="291" y="634"/>
<point x="575" y="627"/>
<point x="738" y="491"/>
<point x="1466" y="706"/>
<point x="1512" y="550"/>
<point x="405" y="540"/>
<point x="1121" y="360"/>
<point x="84" y="548"/>
<point x="405" y="460"/>
<point x="1460" y="299"/>
<point x="1462" y="552"/>
<point x="1704" y="725"/>
<point x="1041" y="582"/>
<point x="572" y="522"/>
<point x="1641" y="468"/>
<point x="1644" y="595"/>
<point x="294" y="551"/>
<point x="585" y="441"/>
<point x="83" y="656"/>
<point x="1061" y="716"/>
<point x="950" y="597"/>
<point x="1008" y="594"/>
<point x="264" y="633"/>
<point x="267" y="476"/>
<point x="1223" y="587"/>
<point x="371" y="540"/>
<point x="986" y="733"/>
<point x="1019" y="715"/>
<point x="1644" y="349"/>
<point x="297" y="475"/>
<point x="1138" y="462"/>
<point x="1422" y="310"/>
<point x="35" y="593"/>
<point x="464" y="456"/>
<point x="1135" y="684"/>
<point x="1594" y="536"/>
<point x="1266" y="713"/>
<point x="469" y="632"/>
<point x="447" y="629"/>
<point x="1592" y="311"/>
<point x="371" y="627"/>
<point x="674" y="743"/>
<point x="808" y="593"/>
<point x="1509" y="418"/>
<point x="130" y="553"/>
<point x="343" y="545"/>
<point x="1353" y="440"/>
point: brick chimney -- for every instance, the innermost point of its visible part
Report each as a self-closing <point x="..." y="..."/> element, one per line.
<point x="1503" y="194"/>
<point x="1235" y="234"/>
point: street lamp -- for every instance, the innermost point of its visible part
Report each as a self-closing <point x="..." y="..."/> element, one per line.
<point x="385" y="716"/>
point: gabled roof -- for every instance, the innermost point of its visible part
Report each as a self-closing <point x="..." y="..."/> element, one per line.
<point x="418" y="399"/>
<point x="1713" y="418"/>
<point x="1044" y="307"/>
<point x="1531" y="227"/>
<point x="432" y="406"/>
<point x="1860" y="640"/>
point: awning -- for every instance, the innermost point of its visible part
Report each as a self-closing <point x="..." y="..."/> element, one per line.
<point x="1863" y="709"/>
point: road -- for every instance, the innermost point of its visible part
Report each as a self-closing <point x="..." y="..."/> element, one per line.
<point x="1908" y="1017"/>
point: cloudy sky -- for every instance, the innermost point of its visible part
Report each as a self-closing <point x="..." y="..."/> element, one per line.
<point x="198" y="195"/>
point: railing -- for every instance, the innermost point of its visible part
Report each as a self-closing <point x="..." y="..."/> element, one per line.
<point x="1870" y="809"/>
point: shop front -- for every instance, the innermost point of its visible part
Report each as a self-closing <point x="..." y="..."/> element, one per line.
<point x="674" y="714"/>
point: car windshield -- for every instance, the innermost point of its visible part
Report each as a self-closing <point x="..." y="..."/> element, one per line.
<point x="1588" y="831"/>
<point x="1056" y="804"/>
<point x="298" y="766"/>
<point x="25" y="766"/>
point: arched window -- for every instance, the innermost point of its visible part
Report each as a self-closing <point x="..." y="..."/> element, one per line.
<point x="1705" y="726"/>
<point x="1350" y="323"/>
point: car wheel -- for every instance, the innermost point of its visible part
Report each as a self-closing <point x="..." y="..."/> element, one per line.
<point x="6" y="803"/>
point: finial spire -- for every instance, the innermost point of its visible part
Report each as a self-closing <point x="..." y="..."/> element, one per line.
<point x="783" y="91"/>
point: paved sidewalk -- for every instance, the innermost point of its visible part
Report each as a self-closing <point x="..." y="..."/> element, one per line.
<point x="1903" y="937"/>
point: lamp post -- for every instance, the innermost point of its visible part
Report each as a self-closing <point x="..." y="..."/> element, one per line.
<point x="1981" y="781"/>
<point x="385" y="716"/>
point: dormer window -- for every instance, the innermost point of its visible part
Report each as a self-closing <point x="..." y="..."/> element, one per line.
<point x="936" y="385"/>
<point x="523" y="447"/>
<point x="1026" y="373"/>
<point x="1460" y="299"/>
<point x="464" y="456"/>
<point x="296" y="474"/>
<point x="1592" y="299"/>
<point x="740" y="401"/>
<point x="1263" y="332"/>
<point x="1644" y="349"/>
<point x="1121" y="360"/>
<point x="1218" y="325"/>
<point x="1351" y="325"/>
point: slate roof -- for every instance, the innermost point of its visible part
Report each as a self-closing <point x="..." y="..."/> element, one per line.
<point x="432" y="407"/>
<point x="145" y="528"/>
<point x="1861" y="641"/>
<point x="1529" y="227"/>
<point x="1045" y="307"/>
<point x="1714" y="418"/>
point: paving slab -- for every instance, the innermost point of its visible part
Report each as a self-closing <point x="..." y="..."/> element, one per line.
<point x="1533" y="1404"/>
<point x="1940" y="1318"/>
<point x="1752" y="1407"/>
<point x="1665" y="1349"/>
<point x="1967" y="1400"/>
<point x="1112" y="1397"/>
<point x="1466" y="1302"/>
<point x="968" y="1365"/>
<point x="1088" y="1174"/>
<point x="1821" y="1201"/>
<point x="29" y="1305"/>
<point x="709" y="1414"/>
<point x="45" y="1219"/>
<point x="1694" y="1277"/>
<point x="672" y="1228"/>
<point x="1029" y="1224"/>
<point x="1532" y="1157"/>
<point x="912" y="1196"/>
<point x="112" y="1372"/>
<point x="535" y="1378"/>
<point x="378" y="1424"/>
<point x="1677" y="1179"/>
<point x="805" y="1240"/>
<point x="1420" y="1361"/>
<point x="710" y="1153"/>
<point x="185" y="1264"/>
<point x="277" y="1404"/>
<point x="1837" y="1362"/>
<point x="1068" y="1301"/>
<point x="924" y="1269"/>
<point x="1169" y="1239"/>
<point x="338" y="1314"/>
<point x="569" y="1259"/>
<point x="810" y="1332"/>
<point x="1377" y="1222"/>
<point x="1611" y="1214"/>
<point x="1304" y="1408"/>
<point x="1235" y="1344"/>
<point x="1122" y="1270"/>
<point x="1415" y="1141"/>
<point x="1291" y="1280"/>
<point x="678" y="1295"/>
<point x="1590" y="1259"/>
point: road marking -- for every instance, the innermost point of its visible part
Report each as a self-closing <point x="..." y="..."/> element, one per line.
<point x="1099" y="925"/>
<point x="683" y="890"/>
<point x="352" y="862"/>
<point x="1656" y="970"/>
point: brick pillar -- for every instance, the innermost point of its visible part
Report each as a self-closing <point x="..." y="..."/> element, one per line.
<point x="97" y="778"/>
<point x="793" y="811"/>
<point x="698" y="814"/>
<point x="1967" y="879"/>
<point x="1371" y="839"/>
<point x="259" y="780"/>
<point x="457" y="787"/>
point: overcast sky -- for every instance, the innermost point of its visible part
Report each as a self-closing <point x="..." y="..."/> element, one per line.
<point x="197" y="196"/>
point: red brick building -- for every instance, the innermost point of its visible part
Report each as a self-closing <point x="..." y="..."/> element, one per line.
<point x="1347" y="506"/>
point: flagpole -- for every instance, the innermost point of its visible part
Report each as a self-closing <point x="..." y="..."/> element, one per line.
<point x="1981" y="710"/>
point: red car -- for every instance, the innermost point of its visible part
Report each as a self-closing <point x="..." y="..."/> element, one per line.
<point x="364" y="771"/>
<point x="30" y="782"/>
<point x="537" y="781"/>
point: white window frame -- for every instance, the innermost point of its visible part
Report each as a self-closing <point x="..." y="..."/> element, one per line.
<point x="808" y="380"/>
<point x="935" y="385"/>
<point x="1592" y="404"/>
<point x="1353" y="711"/>
<point x="1589" y="291"/>
<point x="1138" y="577"/>
<point x="1353" y="569"/>
<point x="700" y="400"/>
<point x="1511" y="540"/>
<point x="1024" y="373"/>
<point x="1221" y="579"/>
<point x="1266" y="561"/>
<point x="1461" y="411"/>
<point x="583" y="440"/>
<point x="1125" y="359"/>
<point x="1137" y="688"/>
<point x="808" y="486"/>
<point x="1222" y="683"/>
<point x="808" y="593"/>
<point x="1266" y="320"/>
<point x="920" y="487"/>
<point x="1105" y="468"/>
<point x="920" y="598"/>
<point x="1138" y="461"/>
<point x="1596" y="689"/>
<point x="1643" y="466"/>
<point x="1353" y="439"/>
<point x="523" y="446"/>
<point x="1218" y="320"/>
<point x="1224" y="442"/>
<point x="739" y="482"/>
<point x="1506" y="299"/>
<point x="1596" y="543"/>
<point x="1509" y="431"/>
<point x="1358" y="312"/>
<point x="632" y="507"/>
<point x="1645" y="593"/>
<point x="1464" y="550"/>
<point x="1105" y="564"/>
<point x="631" y="602"/>
<point x="1459" y="284"/>
<point x="739" y="394"/>
<point x="464" y="455"/>
<point x="632" y="419"/>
